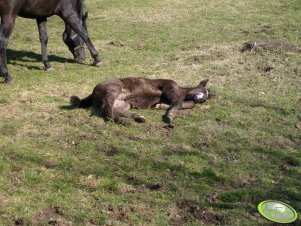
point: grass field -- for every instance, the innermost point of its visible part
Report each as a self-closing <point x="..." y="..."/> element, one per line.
<point x="71" y="167"/>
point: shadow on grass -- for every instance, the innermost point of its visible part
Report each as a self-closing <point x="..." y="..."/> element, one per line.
<point x="95" y="111"/>
<point x="14" y="56"/>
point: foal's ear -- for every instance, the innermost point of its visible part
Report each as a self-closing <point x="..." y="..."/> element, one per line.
<point x="204" y="82"/>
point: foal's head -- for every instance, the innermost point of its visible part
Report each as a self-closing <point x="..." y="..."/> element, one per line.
<point x="75" y="42"/>
<point x="199" y="94"/>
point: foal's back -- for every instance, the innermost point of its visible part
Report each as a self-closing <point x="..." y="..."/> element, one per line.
<point x="140" y="85"/>
<point x="142" y="93"/>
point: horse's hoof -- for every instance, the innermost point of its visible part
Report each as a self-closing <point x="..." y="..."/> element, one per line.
<point x="47" y="68"/>
<point x="80" y="59"/>
<point x="8" y="80"/>
<point x="96" y="63"/>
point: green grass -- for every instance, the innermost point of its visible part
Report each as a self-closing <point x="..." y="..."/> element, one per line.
<point x="71" y="167"/>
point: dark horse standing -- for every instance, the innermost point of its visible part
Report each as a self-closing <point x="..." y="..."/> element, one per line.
<point x="71" y="11"/>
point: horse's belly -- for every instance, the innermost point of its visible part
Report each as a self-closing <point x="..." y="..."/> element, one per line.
<point x="42" y="8"/>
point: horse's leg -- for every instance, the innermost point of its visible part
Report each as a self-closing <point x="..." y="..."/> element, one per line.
<point x="41" y="22"/>
<point x="185" y="105"/>
<point x="7" y="25"/>
<point x="75" y="23"/>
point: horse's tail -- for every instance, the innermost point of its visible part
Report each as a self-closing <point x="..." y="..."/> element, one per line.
<point x="81" y="103"/>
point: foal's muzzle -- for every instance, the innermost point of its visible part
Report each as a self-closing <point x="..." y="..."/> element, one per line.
<point x="199" y="100"/>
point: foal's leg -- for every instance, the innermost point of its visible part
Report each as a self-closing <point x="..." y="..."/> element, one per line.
<point x="119" y="109"/>
<point x="107" y="108"/>
<point x="106" y="99"/>
<point x="173" y="95"/>
<point x="7" y="25"/>
<point x="138" y="118"/>
<point x="44" y="40"/>
<point x="73" y="20"/>
<point x="185" y="105"/>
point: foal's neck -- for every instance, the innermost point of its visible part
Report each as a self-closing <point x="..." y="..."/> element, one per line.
<point x="184" y="91"/>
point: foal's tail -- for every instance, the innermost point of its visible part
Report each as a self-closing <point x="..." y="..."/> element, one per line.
<point x="81" y="103"/>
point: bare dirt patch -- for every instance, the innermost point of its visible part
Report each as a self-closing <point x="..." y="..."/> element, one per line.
<point x="126" y="188"/>
<point x="244" y="181"/>
<point x="154" y="186"/>
<point x="269" y="45"/>
<point x="111" y="151"/>
<point x="188" y="209"/>
<point x="51" y="216"/>
<point x="20" y="222"/>
<point x="120" y="215"/>
<point x="116" y="43"/>
<point x="268" y="30"/>
<point x="117" y="213"/>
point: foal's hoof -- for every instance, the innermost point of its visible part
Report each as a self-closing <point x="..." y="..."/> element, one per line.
<point x="140" y="119"/>
<point x="169" y="118"/>
<point x="96" y="63"/>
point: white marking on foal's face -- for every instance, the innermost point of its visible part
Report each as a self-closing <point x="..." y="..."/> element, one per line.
<point x="200" y="95"/>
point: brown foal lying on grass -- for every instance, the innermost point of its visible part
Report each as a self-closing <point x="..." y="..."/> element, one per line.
<point x="116" y="96"/>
